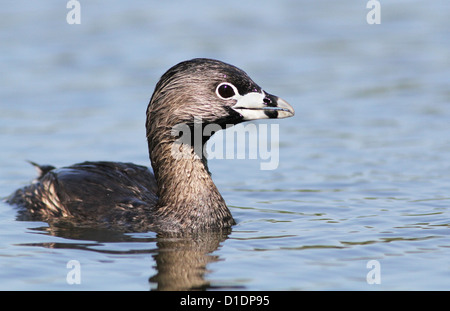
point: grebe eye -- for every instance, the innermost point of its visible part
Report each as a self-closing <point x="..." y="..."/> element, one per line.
<point x="225" y="90"/>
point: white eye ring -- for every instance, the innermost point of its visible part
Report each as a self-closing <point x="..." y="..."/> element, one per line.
<point x="226" y="91"/>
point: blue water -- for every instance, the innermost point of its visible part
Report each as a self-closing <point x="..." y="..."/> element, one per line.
<point x="364" y="170"/>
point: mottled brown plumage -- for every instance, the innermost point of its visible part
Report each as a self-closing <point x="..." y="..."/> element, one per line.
<point x="180" y="195"/>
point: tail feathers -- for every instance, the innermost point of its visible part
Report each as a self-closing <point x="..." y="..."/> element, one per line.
<point x="41" y="169"/>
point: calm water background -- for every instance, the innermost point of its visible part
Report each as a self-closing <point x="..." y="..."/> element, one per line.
<point x="364" y="170"/>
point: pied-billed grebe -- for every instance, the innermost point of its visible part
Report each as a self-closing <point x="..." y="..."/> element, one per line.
<point x="180" y="194"/>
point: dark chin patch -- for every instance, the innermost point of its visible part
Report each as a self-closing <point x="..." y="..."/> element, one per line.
<point x="231" y="117"/>
<point x="272" y="114"/>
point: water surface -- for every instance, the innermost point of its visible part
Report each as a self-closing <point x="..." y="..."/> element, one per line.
<point x="364" y="171"/>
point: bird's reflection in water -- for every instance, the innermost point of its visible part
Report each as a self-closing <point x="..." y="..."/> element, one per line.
<point x="180" y="260"/>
